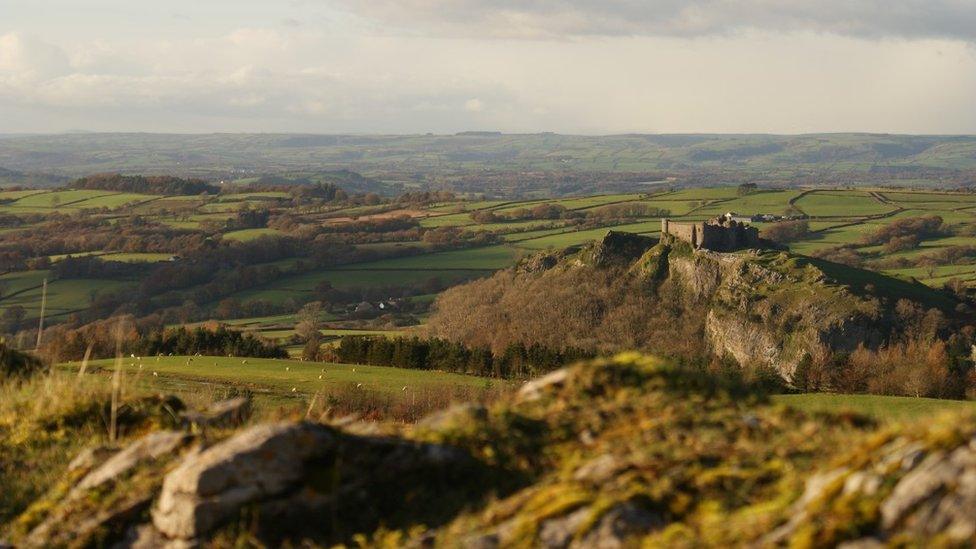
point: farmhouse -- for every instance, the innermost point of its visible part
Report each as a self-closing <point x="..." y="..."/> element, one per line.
<point x="721" y="234"/>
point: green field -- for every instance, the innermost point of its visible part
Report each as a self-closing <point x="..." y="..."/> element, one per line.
<point x="56" y="199"/>
<point x="15" y="195"/>
<point x="885" y="408"/>
<point x="115" y="200"/>
<point x="286" y="377"/>
<point x="841" y="204"/>
<point x="63" y="296"/>
<point x="491" y="257"/>
<point x="136" y="257"/>
<point x="302" y="285"/>
<point x="766" y="202"/>
<point x="565" y="239"/>
<point x="244" y="235"/>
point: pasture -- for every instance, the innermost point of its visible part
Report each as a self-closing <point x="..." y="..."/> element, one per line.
<point x="842" y="204"/>
<point x="883" y="408"/>
<point x="291" y="386"/>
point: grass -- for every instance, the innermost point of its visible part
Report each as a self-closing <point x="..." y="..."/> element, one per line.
<point x="63" y="296"/>
<point x="245" y="235"/>
<point x="112" y="201"/>
<point x="486" y="258"/>
<point x="136" y="257"/>
<point x="15" y="195"/>
<point x="20" y="281"/>
<point x="302" y="285"/>
<point x="573" y="238"/>
<point x="768" y="202"/>
<point x="58" y="199"/>
<point x="260" y="195"/>
<point x="884" y="408"/>
<point x="288" y="377"/>
<point x="841" y="203"/>
<point x="449" y="220"/>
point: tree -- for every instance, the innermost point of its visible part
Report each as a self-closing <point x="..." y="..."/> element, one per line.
<point x="786" y="231"/>
<point x="12" y="318"/>
<point x="312" y="345"/>
<point x="309" y="321"/>
<point x="746" y="188"/>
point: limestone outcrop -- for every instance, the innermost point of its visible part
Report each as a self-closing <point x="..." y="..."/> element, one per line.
<point x="621" y="452"/>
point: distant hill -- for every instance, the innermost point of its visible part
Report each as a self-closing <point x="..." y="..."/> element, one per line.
<point x="346" y="179"/>
<point x="11" y="178"/>
<point x="784" y="159"/>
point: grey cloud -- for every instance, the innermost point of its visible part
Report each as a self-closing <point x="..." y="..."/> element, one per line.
<point x="953" y="19"/>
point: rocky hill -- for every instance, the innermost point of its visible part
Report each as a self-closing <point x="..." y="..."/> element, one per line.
<point x="775" y="308"/>
<point x="761" y="307"/>
<point x="609" y="453"/>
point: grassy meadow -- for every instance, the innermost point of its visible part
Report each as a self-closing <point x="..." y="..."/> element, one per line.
<point x="883" y="408"/>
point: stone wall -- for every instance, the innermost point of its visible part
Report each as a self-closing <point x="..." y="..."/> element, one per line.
<point x="688" y="232"/>
<point x="721" y="234"/>
<point x="729" y="237"/>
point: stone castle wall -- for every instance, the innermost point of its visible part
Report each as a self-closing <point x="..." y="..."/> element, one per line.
<point x="720" y="235"/>
<point x="689" y="232"/>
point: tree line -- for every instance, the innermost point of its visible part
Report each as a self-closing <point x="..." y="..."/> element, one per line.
<point x="517" y="360"/>
<point x="142" y="184"/>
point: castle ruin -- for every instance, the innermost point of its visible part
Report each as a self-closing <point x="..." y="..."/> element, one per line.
<point x="720" y="234"/>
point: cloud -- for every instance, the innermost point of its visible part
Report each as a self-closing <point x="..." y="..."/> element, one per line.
<point x="27" y="58"/>
<point x="952" y="19"/>
<point x="249" y="78"/>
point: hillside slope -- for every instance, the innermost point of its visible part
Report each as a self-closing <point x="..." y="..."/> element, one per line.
<point x="765" y="308"/>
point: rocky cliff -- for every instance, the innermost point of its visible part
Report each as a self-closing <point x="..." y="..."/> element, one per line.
<point x="771" y="308"/>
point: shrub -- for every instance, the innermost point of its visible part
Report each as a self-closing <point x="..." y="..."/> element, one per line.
<point x="14" y="363"/>
<point x="786" y="231"/>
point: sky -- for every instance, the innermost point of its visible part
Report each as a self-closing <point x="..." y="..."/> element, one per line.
<point x="442" y="66"/>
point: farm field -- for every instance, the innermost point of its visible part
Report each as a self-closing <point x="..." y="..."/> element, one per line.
<point x="842" y="204"/>
<point x="64" y="296"/>
<point x="297" y="286"/>
<point x="136" y="257"/>
<point x="884" y="408"/>
<point x="385" y="266"/>
<point x="487" y="258"/>
<point x="244" y="235"/>
<point x="284" y="383"/>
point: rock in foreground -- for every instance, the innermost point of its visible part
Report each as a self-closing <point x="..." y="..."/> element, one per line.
<point x="610" y="453"/>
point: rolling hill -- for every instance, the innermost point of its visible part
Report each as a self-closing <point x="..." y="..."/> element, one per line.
<point x="848" y="158"/>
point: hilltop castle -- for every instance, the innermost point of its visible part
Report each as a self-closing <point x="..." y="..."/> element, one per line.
<point x="721" y="234"/>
